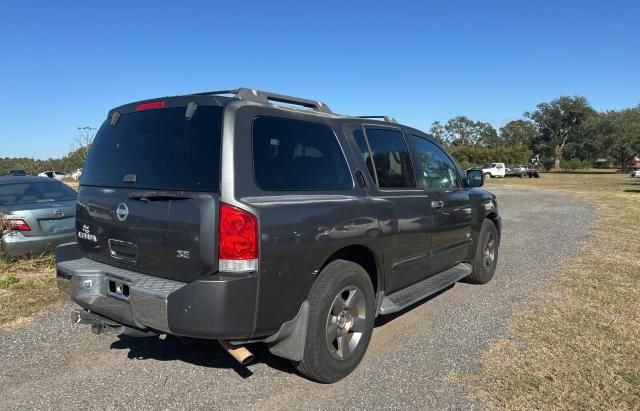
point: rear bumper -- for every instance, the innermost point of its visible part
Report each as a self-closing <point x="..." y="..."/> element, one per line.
<point x="219" y="307"/>
<point x="15" y="243"/>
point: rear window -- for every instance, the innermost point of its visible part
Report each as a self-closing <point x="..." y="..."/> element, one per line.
<point x="298" y="155"/>
<point x="161" y="148"/>
<point x="27" y="193"/>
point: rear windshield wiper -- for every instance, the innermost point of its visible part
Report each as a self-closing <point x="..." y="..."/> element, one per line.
<point x="155" y="196"/>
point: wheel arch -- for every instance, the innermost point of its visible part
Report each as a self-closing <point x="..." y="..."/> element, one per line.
<point x="364" y="257"/>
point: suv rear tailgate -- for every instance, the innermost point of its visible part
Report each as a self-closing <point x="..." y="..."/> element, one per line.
<point x="149" y="193"/>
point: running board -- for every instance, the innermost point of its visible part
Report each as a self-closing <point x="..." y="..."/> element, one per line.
<point x="419" y="291"/>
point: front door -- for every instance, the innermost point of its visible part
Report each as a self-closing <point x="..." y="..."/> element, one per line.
<point x="449" y="203"/>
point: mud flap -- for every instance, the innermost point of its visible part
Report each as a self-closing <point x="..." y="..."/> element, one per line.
<point x="289" y="341"/>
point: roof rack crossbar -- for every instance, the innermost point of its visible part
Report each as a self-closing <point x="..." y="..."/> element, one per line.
<point x="266" y="97"/>
<point x="388" y="119"/>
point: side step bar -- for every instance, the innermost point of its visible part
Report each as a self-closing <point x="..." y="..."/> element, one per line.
<point x="419" y="291"/>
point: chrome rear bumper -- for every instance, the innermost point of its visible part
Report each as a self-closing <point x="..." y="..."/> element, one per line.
<point x="128" y="297"/>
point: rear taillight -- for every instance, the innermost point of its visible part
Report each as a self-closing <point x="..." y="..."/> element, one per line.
<point x="17" y="224"/>
<point x="238" y="240"/>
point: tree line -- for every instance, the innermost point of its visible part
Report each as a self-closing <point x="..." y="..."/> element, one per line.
<point x="564" y="133"/>
<point x="68" y="164"/>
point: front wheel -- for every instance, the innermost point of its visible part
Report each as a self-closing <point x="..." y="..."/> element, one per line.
<point x="341" y="317"/>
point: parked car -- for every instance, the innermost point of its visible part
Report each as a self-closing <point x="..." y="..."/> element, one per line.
<point x="36" y="215"/>
<point x="635" y="173"/>
<point x="76" y="174"/>
<point x="17" y="173"/>
<point x="58" y="175"/>
<point x="493" y="170"/>
<point x="294" y="227"/>
<point x="522" y="172"/>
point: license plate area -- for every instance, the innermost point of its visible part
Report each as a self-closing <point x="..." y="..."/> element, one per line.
<point x="118" y="289"/>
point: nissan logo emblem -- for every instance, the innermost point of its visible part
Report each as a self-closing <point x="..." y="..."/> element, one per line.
<point x="122" y="212"/>
<point x="59" y="213"/>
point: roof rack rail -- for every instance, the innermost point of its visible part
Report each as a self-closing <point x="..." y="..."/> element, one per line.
<point x="267" y="97"/>
<point x="388" y="119"/>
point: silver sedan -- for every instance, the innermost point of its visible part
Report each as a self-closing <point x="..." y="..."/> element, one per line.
<point x="36" y="215"/>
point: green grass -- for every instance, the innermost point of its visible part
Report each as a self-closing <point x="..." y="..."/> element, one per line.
<point x="579" y="347"/>
<point x="27" y="287"/>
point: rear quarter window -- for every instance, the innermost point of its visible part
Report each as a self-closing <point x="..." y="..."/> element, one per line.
<point x="298" y="155"/>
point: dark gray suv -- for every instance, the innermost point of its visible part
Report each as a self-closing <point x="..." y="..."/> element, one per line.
<point x="246" y="216"/>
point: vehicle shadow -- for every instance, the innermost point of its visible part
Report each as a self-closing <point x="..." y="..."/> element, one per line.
<point x="203" y="353"/>
<point x="208" y="353"/>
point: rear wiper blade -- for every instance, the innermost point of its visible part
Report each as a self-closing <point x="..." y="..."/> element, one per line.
<point x="154" y="196"/>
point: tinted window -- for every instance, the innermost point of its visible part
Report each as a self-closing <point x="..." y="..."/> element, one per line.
<point x="297" y="155"/>
<point x="162" y="148"/>
<point x="364" y="150"/>
<point x="26" y="193"/>
<point x="391" y="158"/>
<point x="437" y="170"/>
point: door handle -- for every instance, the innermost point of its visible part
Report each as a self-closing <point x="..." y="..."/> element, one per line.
<point x="437" y="204"/>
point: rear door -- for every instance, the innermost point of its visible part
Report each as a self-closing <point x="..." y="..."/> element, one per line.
<point x="148" y="199"/>
<point x="449" y="202"/>
<point x="405" y="220"/>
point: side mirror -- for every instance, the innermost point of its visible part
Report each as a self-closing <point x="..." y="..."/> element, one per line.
<point x="475" y="178"/>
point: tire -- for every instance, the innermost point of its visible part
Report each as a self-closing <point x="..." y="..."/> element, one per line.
<point x="340" y="302"/>
<point x="487" y="176"/>
<point x="484" y="262"/>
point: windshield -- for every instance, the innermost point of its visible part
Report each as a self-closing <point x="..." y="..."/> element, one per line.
<point x="158" y="149"/>
<point x="27" y="193"/>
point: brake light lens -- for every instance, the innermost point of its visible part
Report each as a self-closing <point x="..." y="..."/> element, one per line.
<point x="17" y="224"/>
<point x="238" y="240"/>
<point x="149" y="106"/>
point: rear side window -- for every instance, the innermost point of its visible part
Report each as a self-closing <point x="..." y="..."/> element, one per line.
<point x="161" y="148"/>
<point x="391" y="158"/>
<point x="298" y="155"/>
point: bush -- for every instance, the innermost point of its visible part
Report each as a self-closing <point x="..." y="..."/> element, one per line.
<point x="8" y="281"/>
<point x="573" y="164"/>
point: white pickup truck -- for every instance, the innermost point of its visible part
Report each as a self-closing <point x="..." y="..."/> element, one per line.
<point x="493" y="170"/>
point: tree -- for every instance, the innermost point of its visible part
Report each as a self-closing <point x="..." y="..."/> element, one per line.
<point x="438" y="132"/>
<point x="488" y="136"/>
<point x="559" y="123"/>
<point x="82" y="142"/>
<point x="619" y="134"/>
<point x="461" y="131"/>
<point x="518" y="132"/>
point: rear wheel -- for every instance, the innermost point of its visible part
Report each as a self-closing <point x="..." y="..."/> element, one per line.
<point x="486" y="258"/>
<point x="341" y="317"/>
<point x="487" y="176"/>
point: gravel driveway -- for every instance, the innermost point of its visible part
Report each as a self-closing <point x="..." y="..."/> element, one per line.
<point x="54" y="365"/>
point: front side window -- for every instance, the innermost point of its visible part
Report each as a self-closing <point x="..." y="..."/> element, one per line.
<point x="437" y="170"/>
<point x="298" y="155"/>
<point x="391" y="158"/>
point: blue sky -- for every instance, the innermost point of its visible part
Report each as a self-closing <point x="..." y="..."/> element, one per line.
<point x="64" y="65"/>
